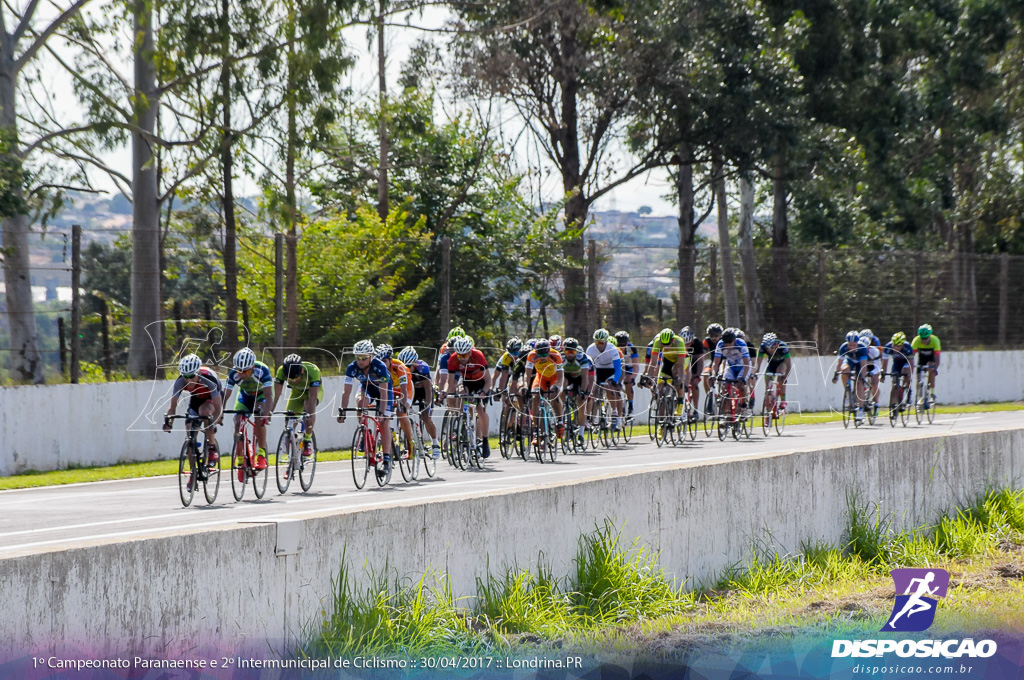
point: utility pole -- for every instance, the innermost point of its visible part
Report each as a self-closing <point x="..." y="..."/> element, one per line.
<point x="76" y="305"/>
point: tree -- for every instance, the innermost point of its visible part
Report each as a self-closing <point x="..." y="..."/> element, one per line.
<point x="565" y="67"/>
<point x="15" y="54"/>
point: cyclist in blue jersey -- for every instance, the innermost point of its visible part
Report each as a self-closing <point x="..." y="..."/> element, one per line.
<point x="255" y="384"/>
<point x="375" y="390"/>
<point x="852" y="361"/>
<point x="630" y="367"/>
<point x="733" y="353"/>
<point x="899" y="351"/>
<point x="422" y="393"/>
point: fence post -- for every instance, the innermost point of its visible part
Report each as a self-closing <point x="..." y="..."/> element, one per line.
<point x="76" y="305"/>
<point x="1004" y="297"/>
<point x="446" y="285"/>
<point x="278" y="295"/>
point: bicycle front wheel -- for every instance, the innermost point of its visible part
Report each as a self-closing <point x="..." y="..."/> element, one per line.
<point x="709" y="414"/>
<point x="653" y="417"/>
<point x="283" y="463"/>
<point x="400" y="452"/>
<point x="847" y="408"/>
<point x="211" y="485"/>
<point x="505" y="429"/>
<point x="186" y="478"/>
<point x="238" y="473"/>
<point x="259" y="480"/>
<point x="360" y="459"/>
<point x="307" y="464"/>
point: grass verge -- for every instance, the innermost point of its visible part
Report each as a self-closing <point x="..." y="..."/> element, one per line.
<point x="617" y="598"/>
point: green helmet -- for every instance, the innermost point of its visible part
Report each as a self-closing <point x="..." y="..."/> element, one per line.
<point x="898" y="338"/>
<point x="925" y="330"/>
<point x="456" y="332"/>
<point x="665" y="336"/>
<point x="601" y="335"/>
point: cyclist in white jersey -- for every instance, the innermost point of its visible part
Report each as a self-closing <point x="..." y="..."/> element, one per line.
<point x="608" y="369"/>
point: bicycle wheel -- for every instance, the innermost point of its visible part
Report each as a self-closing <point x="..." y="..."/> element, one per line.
<point x="613" y="432"/>
<point x="652" y="417"/>
<point x="211" y="484"/>
<point x="931" y="408"/>
<point x="400" y="453"/>
<point x="447" y="438"/>
<point x="552" y="443"/>
<point x="307" y="464"/>
<point x="919" y="402"/>
<point x="259" y="480"/>
<point x="283" y="464"/>
<point x="766" y="417"/>
<point x="847" y="405"/>
<point x="691" y="421"/>
<point x="780" y="419"/>
<point x="663" y="416"/>
<point x="723" y="427"/>
<point x="871" y="410"/>
<point x="360" y="461"/>
<point x="523" y="434"/>
<point x="505" y="430"/>
<point x="383" y="469"/>
<point x="894" y="406"/>
<point x="709" y="414"/>
<point x="239" y="471"/>
<point x="186" y="481"/>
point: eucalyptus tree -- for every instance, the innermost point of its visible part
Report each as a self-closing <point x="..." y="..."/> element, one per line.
<point x="566" y="67"/>
<point x="25" y="32"/>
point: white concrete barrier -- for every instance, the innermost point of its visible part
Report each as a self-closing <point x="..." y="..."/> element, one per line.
<point x="261" y="588"/>
<point x="51" y="427"/>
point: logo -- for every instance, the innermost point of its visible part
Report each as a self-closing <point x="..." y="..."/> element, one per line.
<point x="914" y="609"/>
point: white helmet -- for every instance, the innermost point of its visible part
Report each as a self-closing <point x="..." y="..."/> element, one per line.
<point x="245" y="359"/>
<point x="408" y="355"/>
<point x="189" y="365"/>
<point x="463" y="345"/>
<point x="363" y="347"/>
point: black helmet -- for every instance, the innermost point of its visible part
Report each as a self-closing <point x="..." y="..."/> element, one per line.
<point x="728" y="335"/>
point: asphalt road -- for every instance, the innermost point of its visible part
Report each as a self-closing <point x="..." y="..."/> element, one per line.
<point x="59" y="517"/>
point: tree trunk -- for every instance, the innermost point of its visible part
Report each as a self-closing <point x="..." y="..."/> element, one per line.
<point x="228" y="194"/>
<point x="144" y="353"/>
<point x="382" y="93"/>
<point x="732" y="306"/>
<point x="780" y="244"/>
<point x="687" y="309"/>
<point x="751" y="286"/>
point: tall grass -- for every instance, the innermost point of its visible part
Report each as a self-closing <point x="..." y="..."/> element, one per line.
<point x="614" y="584"/>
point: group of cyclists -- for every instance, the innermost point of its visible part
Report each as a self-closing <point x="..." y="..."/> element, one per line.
<point x="404" y="386"/>
<point x="863" y="359"/>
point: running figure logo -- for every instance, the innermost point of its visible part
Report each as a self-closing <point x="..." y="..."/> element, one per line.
<point x="914" y="610"/>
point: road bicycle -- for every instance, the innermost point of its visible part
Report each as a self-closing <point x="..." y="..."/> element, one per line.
<point x="522" y="428"/>
<point x="545" y="441"/>
<point x="290" y="460"/>
<point x="367" y="451"/>
<point x="773" y="410"/>
<point x="459" y="432"/>
<point x="732" y="414"/>
<point x="423" y="460"/>
<point x="573" y="440"/>
<point x="602" y="420"/>
<point x="924" y="406"/>
<point x="899" y="399"/>
<point x="507" y="425"/>
<point x="194" y="467"/>
<point x="850" y="401"/>
<point x="243" y="459"/>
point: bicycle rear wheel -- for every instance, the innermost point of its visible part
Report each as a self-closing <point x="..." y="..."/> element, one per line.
<point x="283" y="464"/>
<point x="847" y="406"/>
<point x="652" y="417"/>
<point x="766" y="417"/>
<point x="505" y="430"/>
<point x="360" y="460"/>
<point x="211" y="484"/>
<point x="664" y="414"/>
<point x="400" y="453"/>
<point x="186" y="478"/>
<point x="709" y="414"/>
<point x="307" y="464"/>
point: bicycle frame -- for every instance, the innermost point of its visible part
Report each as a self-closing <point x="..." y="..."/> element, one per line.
<point x="243" y="458"/>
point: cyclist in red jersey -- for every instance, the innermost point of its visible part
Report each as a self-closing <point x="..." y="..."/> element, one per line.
<point x="469" y="363"/>
<point x="205" y="397"/>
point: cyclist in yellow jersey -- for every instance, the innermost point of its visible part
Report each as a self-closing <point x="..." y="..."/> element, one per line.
<point x="544" y="374"/>
<point x="927" y="348"/>
<point x="670" y="349"/>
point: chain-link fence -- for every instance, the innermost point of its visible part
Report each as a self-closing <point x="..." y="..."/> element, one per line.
<point x="816" y="295"/>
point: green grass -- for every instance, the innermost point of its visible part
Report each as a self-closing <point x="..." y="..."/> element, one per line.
<point x="818" y="417"/>
<point x="617" y="593"/>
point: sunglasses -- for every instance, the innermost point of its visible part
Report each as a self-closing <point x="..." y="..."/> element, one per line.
<point x="363" y="357"/>
<point x="462" y="356"/>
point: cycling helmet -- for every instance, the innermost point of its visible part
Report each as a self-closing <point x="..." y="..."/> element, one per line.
<point x="601" y="335"/>
<point x="571" y="343"/>
<point x="728" y="335"/>
<point x="292" y="366"/>
<point x="686" y="334"/>
<point x="456" y="332"/>
<point x="852" y="336"/>
<point x="530" y="344"/>
<point x="542" y="348"/>
<point x="770" y="339"/>
<point x="868" y="332"/>
<point x="740" y="334"/>
<point x="189" y="365"/>
<point x="556" y="342"/>
<point x="622" y="338"/>
<point x="363" y="347"/>
<point x="898" y="338"/>
<point x="408" y="355"/>
<point x="463" y="345"/>
<point x="514" y="345"/>
<point x="384" y="351"/>
<point x="714" y="329"/>
<point x="925" y="330"/>
<point x="665" y="336"/>
<point x="245" y="359"/>
<point x="613" y="342"/>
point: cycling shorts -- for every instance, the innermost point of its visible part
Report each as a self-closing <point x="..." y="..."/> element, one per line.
<point x="734" y="372"/>
<point x="372" y="392"/>
<point x="474" y="386"/>
<point x="603" y="374"/>
<point x="543" y="383"/>
<point x="247" y="402"/>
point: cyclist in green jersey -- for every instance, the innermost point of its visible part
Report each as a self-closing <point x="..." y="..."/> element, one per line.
<point x="927" y="348"/>
<point x="303" y="378"/>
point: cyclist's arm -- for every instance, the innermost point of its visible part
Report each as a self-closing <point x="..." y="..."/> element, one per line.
<point x="487" y="381"/>
<point x="312" y="399"/>
<point x="757" y="365"/>
<point x="278" y="388"/>
<point x="218" y="407"/>
<point x="652" y="365"/>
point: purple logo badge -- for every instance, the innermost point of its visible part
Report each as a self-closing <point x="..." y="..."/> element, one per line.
<point x="917" y="593"/>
